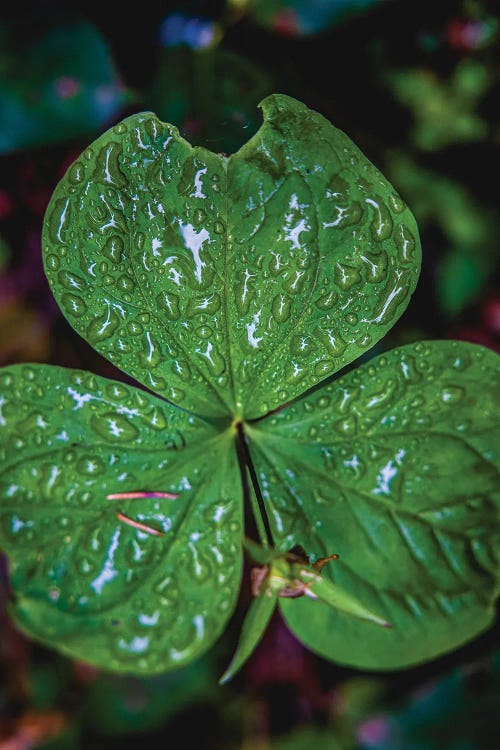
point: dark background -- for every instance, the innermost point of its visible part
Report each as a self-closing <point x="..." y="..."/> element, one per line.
<point x="416" y="85"/>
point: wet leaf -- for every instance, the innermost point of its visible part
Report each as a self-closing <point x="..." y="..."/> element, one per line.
<point x="142" y="584"/>
<point x="393" y="465"/>
<point x="230" y="285"/>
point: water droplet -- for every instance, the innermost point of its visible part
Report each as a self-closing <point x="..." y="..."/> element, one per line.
<point x="90" y="466"/>
<point x="423" y="420"/>
<point x="52" y="261"/>
<point x="334" y="341"/>
<point x="382" y="223"/>
<point x="86" y="566"/>
<point x="150" y="353"/>
<point x="181" y="368"/>
<point x="168" y="303"/>
<point x="139" y="241"/>
<point x="417" y="402"/>
<point x="346" y="276"/>
<point x="205" y="332"/>
<point x="84" y="498"/>
<point x="134" y="328"/>
<point x="219" y="227"/>
<point x="126" y="284"/>
<point x="462" y="361"/>
<point x="116" y="391"/>
<point x="294" y="282"/>
<point x="103" y="326"/>
<point x="301" y="346"/>
<point x="76" y="173"/>
<point x="347" y="426"/>
<point x="71" y="281"/>
<point x="113" y="249"/>
<point x="451" y="394"/>
<point x="6" y="380"/>
<point x="405" y="243"/>
<point x="422" y="348"/>
<point x="156" y="418"/>
<point x="177" y="395"/>
<point x="73" y="305"/>
<point x="107" y="165"/>
<point x="199" y="216"/>
<point x="213" y="360"/>
<point x="323" y="368"/>
<point x="199" y="567"/>
<point x="281" y="308"/>
<point x="375" y="266"/>
<point x="114" y="427"/>
<point x="396" y="203"/>
<point x="29" y="373"/>
<point x="59" y="220"/>
<point x="395" y="292"/>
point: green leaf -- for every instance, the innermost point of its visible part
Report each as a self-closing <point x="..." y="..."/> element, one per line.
<point x="392" y="466"/>
<point x="337" y="598"/>
<point x="84" y="578"/>
<point x="256" y="621"/>
<point x="459" y="280"/>
<point x="230" y="285"/>
<point x="57" y="84"/>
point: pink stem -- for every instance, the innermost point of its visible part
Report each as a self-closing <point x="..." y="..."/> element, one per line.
<point x="137" y="525"/>
<point x="137" y="495"/>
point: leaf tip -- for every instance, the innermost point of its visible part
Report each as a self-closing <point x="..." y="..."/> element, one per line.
<point x="228" y="675"/>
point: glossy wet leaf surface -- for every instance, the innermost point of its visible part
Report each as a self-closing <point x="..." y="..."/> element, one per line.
<point x="393" y="468"/>
<point x="101" y="588"/>
<point x="230" y="285"/>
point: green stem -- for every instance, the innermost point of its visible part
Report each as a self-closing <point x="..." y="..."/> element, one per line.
<point x="261" y="527"/>
<point x="256" y="499"/>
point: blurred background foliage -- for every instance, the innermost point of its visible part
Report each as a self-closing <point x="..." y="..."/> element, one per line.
<point x="416" y="84"/>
